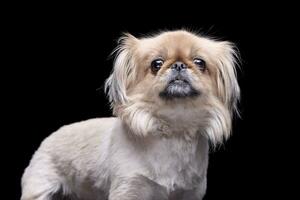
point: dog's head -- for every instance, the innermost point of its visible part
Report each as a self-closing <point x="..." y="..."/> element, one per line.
<point x="176" y="69"/>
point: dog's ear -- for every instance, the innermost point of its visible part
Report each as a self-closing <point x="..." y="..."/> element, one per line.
<point x="226" y="80"/>
<point x="124" y="71"/>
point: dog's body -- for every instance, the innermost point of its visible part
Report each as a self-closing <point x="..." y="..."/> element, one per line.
<point x="85" y="160"/>
<point x="172" y="94"/>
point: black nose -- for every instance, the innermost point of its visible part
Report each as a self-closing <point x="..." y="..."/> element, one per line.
<point x="178" y="66"/>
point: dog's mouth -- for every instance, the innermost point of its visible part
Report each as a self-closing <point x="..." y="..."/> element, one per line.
<point x="178" y="81"/>
<point x="178" y="87"/>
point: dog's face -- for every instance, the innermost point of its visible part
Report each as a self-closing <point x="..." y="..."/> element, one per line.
<point x="177" y="65"/>
<point x="174" y="68"/>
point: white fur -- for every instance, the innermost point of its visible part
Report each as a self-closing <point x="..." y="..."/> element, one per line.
<point x="86" y="157"/>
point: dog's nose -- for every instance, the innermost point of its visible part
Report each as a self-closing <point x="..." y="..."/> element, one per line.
<point x="178" y="66"/>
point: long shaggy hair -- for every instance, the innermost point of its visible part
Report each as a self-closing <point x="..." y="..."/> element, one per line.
<point x="137" y="111"/>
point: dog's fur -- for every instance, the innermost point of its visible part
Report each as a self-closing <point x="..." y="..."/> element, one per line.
<point x="157" y="146"/>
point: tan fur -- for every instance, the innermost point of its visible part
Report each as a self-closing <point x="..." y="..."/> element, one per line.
<point x="139" y="92"/>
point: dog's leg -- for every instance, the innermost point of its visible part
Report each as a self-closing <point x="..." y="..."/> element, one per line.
<point x="196" y="194"/>
<point x="201" y="189"/>
<point x="137" y="188"/>
<point x="40" y="180"/>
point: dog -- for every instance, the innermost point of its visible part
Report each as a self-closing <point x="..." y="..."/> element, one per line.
<point x="173" y="95"/>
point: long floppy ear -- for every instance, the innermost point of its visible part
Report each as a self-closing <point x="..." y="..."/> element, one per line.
<point x="227" y="85"/>
<point x="123" y="73"/>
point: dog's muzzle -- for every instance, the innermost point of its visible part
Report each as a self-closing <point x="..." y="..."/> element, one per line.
<point x="179" y="85"/>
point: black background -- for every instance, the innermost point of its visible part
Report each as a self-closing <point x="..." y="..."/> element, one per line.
<point x="59" y="59"/>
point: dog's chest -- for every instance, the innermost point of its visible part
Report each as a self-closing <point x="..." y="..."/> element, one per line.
<point x="177" y="163"/>
<point x="183" y="119"/>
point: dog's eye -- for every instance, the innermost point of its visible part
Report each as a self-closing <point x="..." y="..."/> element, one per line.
<point x="156" y="64"/>
<point x="200" y="63"/>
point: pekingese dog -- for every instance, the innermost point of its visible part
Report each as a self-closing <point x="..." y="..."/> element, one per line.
<point x="173" y="94"/>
